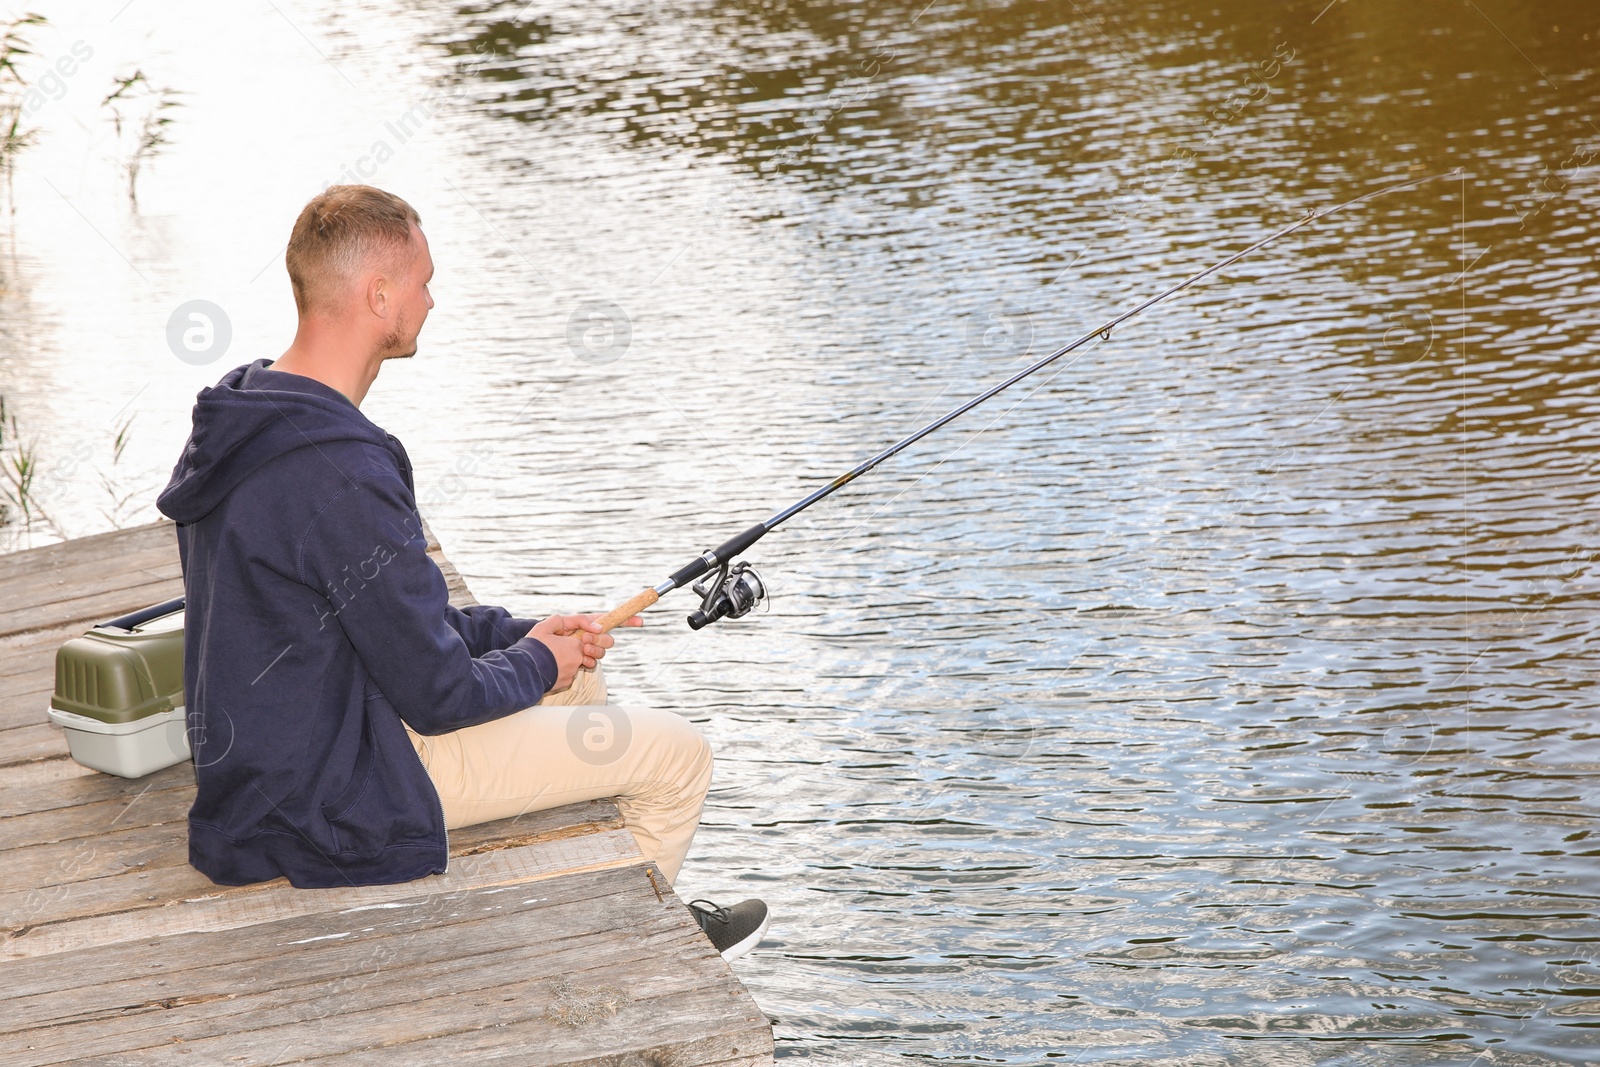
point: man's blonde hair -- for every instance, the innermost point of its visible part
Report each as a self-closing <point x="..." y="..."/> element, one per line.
<point x="338" y="234"/>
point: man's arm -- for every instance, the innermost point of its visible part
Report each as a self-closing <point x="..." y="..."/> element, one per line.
<point x="365" y="552"/>
<point x="486" y="629"/>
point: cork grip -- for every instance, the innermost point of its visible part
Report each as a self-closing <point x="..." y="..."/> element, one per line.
<point x="623" y="612"/>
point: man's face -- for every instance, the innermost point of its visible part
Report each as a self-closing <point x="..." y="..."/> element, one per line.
<point x="412" y="301"/>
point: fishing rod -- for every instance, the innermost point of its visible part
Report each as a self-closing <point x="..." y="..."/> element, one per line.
<point x="736" y="588"/>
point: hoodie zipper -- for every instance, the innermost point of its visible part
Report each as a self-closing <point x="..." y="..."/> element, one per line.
<point x="439" y="802"/>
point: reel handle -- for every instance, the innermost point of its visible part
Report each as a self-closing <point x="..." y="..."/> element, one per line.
<point x="623" y="612"/>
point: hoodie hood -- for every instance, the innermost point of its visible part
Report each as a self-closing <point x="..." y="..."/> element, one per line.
<point x="249" y="418"/>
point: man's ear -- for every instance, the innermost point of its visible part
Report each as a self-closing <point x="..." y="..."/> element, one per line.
<point x="378" y="292"/>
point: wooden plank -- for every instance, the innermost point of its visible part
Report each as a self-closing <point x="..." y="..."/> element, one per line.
<point x="99" y="546"/>
<point x="32" y="651"/>
<point x="266" y="902"/>
<point x="69" y="898"/>
<point x="39" y="741"/>
<point x="81" y="561"/>
<point x="115" y="850"/>
<point x="434" y="997"/>
<point x="24" y="797"/>
<point x="152" y="805"/>
<point x="27" y="708"/>
<point x="489" y="963"/>
<point x="585" y="817"/>
<point x="28" y="673"/>
<point x="677" y="1023"/>
<point x="43" y="772"/>
<point x="677" y="1035"/>
<point x="113" y="837"/>
<point x="103" y="870"/>
<point x="33" y="674"/>
<point x="23" y="910"/>
<point x="33" y="592"/>
<point x="117" y="969"/>
<point x="98" y="605"/>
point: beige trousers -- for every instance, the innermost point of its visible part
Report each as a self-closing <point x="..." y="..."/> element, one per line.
<point x="571" y="747"/>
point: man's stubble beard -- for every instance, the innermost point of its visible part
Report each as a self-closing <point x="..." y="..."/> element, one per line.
<point x="393" y="345"/>
<point x="390" y="353"/>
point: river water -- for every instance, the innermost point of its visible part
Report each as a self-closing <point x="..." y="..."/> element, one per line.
<point x="1221" y="696"/>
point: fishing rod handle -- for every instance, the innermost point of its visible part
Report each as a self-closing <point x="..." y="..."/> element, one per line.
<point x="623" y="612"/>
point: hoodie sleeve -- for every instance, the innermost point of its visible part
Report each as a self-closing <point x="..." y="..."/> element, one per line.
<point x="487" y="629"/>
<point x="365" y="552"/>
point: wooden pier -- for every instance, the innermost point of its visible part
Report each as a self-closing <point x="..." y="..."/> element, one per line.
<point x="548" y="942"/>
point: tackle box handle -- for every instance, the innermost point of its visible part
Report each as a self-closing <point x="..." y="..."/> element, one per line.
<point x="138" y="618"/>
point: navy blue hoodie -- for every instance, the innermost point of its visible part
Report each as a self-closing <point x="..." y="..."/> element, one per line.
<point x="315" y="624"/>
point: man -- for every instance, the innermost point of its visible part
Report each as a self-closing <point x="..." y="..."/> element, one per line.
<point x="343" y="715"/>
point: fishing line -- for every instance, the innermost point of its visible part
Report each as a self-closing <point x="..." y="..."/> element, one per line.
<point x="736" y="587"/>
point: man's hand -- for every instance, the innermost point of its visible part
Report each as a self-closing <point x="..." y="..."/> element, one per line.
<point x="577" y="643"/>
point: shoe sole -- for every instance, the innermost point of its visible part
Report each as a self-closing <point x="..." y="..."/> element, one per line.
<point x="734" y="951"/>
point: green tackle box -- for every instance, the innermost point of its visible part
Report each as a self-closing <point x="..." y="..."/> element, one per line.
<point x="119" y="693"/>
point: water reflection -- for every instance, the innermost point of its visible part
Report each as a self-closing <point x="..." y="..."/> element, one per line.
<point x="1231" y="688"/>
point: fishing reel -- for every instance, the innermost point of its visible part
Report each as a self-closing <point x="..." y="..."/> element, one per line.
<point x="730" y="594"/>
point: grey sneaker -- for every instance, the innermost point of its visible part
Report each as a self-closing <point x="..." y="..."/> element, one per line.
<point x="732" y="931"/>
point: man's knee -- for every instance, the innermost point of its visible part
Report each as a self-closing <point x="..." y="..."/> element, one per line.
<point x="703" y="761"/>
<point x="689" y="749"/>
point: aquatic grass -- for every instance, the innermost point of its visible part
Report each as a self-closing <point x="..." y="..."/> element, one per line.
<point x="140" y="106"/>
<point x="19" y="464"/>
<point x="121" y="497"/>
<point x="26" y="481"/>
<point x="19" y="479"/>
<point x="14" y="46"/>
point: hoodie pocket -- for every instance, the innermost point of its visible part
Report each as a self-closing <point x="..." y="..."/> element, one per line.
<point x="347" y="831"/>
